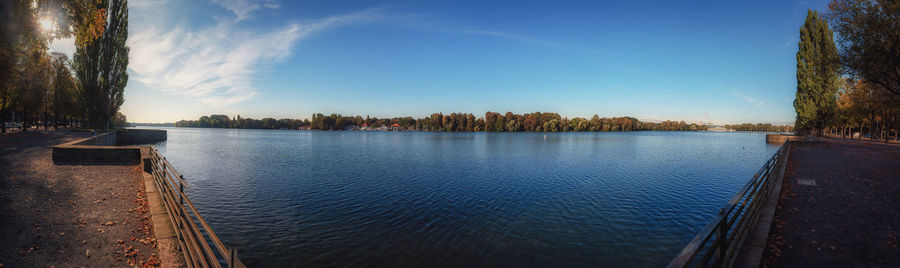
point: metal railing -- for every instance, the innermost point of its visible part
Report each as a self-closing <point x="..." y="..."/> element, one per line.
<point x="732" y="225"/>
<point x="200" y="246"/>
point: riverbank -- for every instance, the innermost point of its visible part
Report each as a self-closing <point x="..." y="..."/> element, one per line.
<point x="70" y="215"/>
<point x="840" y="207"/>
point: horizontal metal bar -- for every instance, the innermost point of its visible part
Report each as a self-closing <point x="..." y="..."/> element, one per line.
<point x="198" y="252"/>
<point x="737" y="218"/>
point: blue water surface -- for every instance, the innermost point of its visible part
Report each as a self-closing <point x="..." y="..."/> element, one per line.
<point x="352" y="199"/>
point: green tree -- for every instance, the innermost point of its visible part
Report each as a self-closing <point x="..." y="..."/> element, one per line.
<point x="101" y="66"/>
<point x="22" y="35"/>
<point x="870" y="39"/>
<point x="119" y="120"/>
<point x="13" y="14"/>
<point x="818" y="75"/>
<point x="35" y="84"/>
<point x="58" y="97"/>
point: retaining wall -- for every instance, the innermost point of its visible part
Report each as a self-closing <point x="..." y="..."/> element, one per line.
<point x="780" y="138"/>
<point x="107" y="148"/>
<point x="140" y="136"/>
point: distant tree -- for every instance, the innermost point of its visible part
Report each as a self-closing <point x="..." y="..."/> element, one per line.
<point x="119" y="120"/>
<point x="818" y="75"/>
<point x="436" y="122"/>
<point x="870" y="39"/>
<point x="65" y="91"/>
<point x="268" y="122"/>
<point x="551" y="126"/>
<point x="35" y="84"/>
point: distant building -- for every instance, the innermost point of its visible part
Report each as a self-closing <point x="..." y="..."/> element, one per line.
<point x="365" y="127"/>
<point x="720" y="129"/>
<point x="395" y="127"/>
<point x="304" y="128"/>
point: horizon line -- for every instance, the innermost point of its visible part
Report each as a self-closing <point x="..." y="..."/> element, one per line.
<point x="701" y="122"/>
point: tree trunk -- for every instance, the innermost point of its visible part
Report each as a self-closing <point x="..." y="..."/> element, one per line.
<point x="3" y="121"/>
<point x="24" y="119"/>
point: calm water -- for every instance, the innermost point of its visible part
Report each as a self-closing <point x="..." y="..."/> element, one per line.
<point x="292" y="198"/>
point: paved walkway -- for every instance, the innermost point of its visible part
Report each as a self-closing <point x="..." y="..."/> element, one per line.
<point x="69" y="215"/>
<point x="840" y="207"/>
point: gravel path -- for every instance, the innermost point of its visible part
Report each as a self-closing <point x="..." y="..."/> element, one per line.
<point x="849" y="218"/>
<point x="69" y="215"/>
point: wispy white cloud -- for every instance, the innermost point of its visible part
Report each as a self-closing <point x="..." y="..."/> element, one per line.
<point x="217" y="65"/>
<point x="789" y="42"/>
<point x="271" y="5"/>
<point x="507" y="35"/>
<point x="748" y="99"/>
<point x="243" y="8"/>
<point x="420" y="22"/>
<point x="146" y="3"/>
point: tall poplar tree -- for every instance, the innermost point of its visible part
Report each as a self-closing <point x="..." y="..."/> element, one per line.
<point x="818" y="75"/>
<point x="101" y="65"/>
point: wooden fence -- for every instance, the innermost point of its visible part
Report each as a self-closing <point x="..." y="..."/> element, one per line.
<point x="732" y="225"/>
<point x="200" y="245"/>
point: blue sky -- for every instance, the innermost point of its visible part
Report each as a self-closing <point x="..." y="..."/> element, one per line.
<point x="698" y="61"/>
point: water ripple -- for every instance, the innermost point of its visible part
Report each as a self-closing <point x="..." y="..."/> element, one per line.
<point x="290" y="198"/>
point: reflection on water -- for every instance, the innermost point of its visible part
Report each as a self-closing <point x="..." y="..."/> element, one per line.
<point x="292" y="198"/>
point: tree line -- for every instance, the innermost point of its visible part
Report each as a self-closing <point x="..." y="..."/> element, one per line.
<point x="466" y="122"/>
<point x="38" y="87"/>
<point x="760" y="127"/>
<point x="223" y="121"/>
<point x="850" y="87"/>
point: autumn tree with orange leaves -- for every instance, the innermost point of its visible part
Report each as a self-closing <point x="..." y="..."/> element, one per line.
<point x="28" y="27"/>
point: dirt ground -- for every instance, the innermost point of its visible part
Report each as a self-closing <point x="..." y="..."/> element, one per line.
<point x="849" y="218"/>
<point x="69" y="215"/>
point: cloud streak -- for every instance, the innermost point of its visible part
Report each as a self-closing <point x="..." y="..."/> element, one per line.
<point x="748" y="99"/>
<point x="445" y="27"/>
<point x="243" y="8"/>
<point x="218" y="65"/>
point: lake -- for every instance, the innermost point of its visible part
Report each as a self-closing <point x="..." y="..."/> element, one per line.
<point x="351" y="199"/>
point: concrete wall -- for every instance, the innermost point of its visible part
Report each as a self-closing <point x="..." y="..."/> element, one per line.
<point x="140" y="136"/>
<point x="101" y="139"/>
<point x="107" y="148"/>
<point x="780" y="138"/>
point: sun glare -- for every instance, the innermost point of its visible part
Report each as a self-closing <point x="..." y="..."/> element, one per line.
<point x="46" y="24"/>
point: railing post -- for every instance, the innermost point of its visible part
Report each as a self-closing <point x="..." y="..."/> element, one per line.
<point x="181" y="206"/>
<point x="232" y="256"/>
<point x="723" y="236"/>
